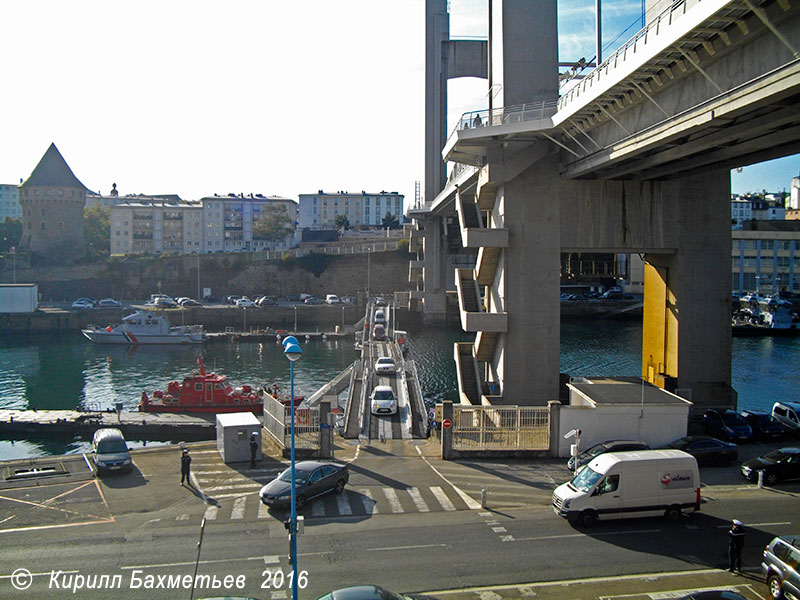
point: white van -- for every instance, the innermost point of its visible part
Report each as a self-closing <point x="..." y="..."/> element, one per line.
<point x="331" y="299"/>
<point x="621" y="485"/>
<point x="788" y="415"/>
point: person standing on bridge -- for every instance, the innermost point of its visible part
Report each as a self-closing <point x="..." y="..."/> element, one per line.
<point x="186" y="461"/>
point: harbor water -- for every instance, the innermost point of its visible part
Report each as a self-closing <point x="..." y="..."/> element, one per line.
<point x="69" y="372"/>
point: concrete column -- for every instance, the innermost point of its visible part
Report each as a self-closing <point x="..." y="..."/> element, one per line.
<point x="529" y="286"/>
<point x="435" y="259"/>
<point x="686" y="337"/>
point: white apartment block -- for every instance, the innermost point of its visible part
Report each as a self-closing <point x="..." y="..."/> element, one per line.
<point x="765" y="261"/>
<point x="213" y="224"/>
<point x="363" y="209"/>
<point x="9" y="201"/>
<point x="741" y="211"/>
<point x="155" y="227"/>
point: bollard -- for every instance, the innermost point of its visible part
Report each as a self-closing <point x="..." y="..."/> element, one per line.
<point x="483" y="497"/>
<point x="761" y="479"/>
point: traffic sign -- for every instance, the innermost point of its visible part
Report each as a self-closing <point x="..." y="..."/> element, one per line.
<point x="447" y="423"/>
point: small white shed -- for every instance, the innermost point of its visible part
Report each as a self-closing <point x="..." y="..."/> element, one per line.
<point x="233" y="436"/>
<point x="621" y="408"/>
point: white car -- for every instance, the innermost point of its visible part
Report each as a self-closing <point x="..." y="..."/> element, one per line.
<point x="385" y="365"/>
<point x="383" y="401"/>
<point x="82" y="303"/>
<point x="245" y="302"/>
<point x="109" y="303"/>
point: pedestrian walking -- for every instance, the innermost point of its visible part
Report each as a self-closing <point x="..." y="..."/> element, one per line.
<point x="735" y="545"/>
<point x="253" y="449"/>
<point x="186" y="460"/>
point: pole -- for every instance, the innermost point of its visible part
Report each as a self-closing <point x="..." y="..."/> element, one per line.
<point x="293" y="524"/>
<point x="197" y="561"/>
<point x="198" y="277"/>
<point x="295" y="319"/>
<point x="369" y="253"/>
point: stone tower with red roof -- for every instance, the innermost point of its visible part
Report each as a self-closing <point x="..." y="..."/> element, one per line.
<point x="52" y="201"/>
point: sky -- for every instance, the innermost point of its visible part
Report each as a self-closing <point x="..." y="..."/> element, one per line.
<point x="250" y="96"/>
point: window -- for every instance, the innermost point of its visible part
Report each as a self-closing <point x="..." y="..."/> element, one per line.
<point x="609" y="484"/>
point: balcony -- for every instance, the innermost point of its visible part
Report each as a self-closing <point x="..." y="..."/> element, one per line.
<point x="485" y="344"/>
<point x="474" y="234"/>
<point x="416" y="270"/>
<point x="473" y="316"/>
<point x="467" y="374"/>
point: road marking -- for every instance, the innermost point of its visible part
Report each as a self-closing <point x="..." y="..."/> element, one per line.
<point x="394" y="501"/>
<point x="499" y="530"/>
<point x="406" y="547"/>
<point x="758" y="524"/>
<point x="318" y="509"/>
<point x="574" y="535"/>
<point x="468" y="500"/>
<point x="183" y="517"/>
<point x="418" y="501"/>
<point x="221" y="488"/>
<point x="442" y="498"/>
<point x="368" y="501"/>
<point x="237" y="512"/>
<point x="43" y="527"/>
<point x="211" y="513"/>
<point x="263" y="510"/>
<point x="224" y="496"/>
<point x="7" y="519"/>
<point x="272" y="560"/>
<point x="343" y="505"/>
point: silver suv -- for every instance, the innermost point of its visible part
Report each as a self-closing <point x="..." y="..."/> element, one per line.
<point x="780" y="567"/>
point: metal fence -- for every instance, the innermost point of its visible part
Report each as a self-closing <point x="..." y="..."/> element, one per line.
<point x="278" y="423"/>
<point x="501" y="428"/>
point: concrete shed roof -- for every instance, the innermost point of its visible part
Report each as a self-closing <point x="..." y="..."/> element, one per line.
<point x="607" y="391"/>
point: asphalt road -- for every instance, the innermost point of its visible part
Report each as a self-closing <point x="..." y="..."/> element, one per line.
<point x="145" y="530"/>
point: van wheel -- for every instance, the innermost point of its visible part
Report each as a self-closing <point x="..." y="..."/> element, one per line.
<point x="774" y="585"/>
<point x="587" y="518"/>
<point x="673" y="513"/>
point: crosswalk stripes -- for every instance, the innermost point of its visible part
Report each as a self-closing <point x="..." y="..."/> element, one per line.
<point x="343" y="505"/>
<point x="394" y="501"/>
<point x="418" y="501"/>
<point x="263" y="510"/>
<point x="368" y="501"/>
<point x="238" y="508"/>
<point x="211" y="513"/>
<point x="442" y="498"/>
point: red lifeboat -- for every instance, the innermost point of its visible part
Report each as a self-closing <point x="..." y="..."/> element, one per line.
<point x="203" y="392"/>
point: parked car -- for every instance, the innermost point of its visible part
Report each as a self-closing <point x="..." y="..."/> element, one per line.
<point x="109" y="303"/>
<point x="245" y="302"/>
<point x="312" y="300"/>
<point x="231" y="299"/>
<point x="607" y="446"/>
<point x="788" y="415"/>
<point x="312" y="478"/>
<point x="267" y="301"/>
<point x="728" y="425"/>
<point x="332" y="299"/>
<point x="763" y="424"/>
<point x="780" y="566"/>
<point x="379" y="332"/>
<point x="382" y="400"/>
<point x="380" y="316"/>
<point x="188" y="302"/>
<point x="165" y="303"/>
<point x="707" y="450"/>
<point x="777" y="465"/>
<point x="380" y="301"/>
<point x="349" y="299"/>
<point x="110" y="451"/>
<point x="83" y="303"/>
<point x="612" y="295"/>
<point x="385" y="365"/>
<point x="364" y="592"/>
<point x="293" y="297"/>
<point x="713" y="595"/>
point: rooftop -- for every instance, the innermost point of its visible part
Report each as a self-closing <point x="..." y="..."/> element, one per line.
<point x="622" y="390"/>
<point x="53" y="170"/>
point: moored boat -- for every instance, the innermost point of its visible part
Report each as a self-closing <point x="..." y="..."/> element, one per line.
<point x="203" y="392"/>
<point x="144" y="327"/>
<point x="764" y="315"/>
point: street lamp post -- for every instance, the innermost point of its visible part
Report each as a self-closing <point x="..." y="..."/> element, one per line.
<point x="293" y="352"/>
<point x="295" y="318"/>
<point x="198" y="277"/>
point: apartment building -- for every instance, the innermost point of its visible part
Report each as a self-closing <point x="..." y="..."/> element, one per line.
<point x="766" y="257"/>
<point x="9" y="202"/>
<point x="155" y="226"/>
<point x="362" y="209"/>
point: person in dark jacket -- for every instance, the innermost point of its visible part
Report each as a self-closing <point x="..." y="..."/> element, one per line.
<point x="253" y="449"/>
<point x="186" y="460"/>
<point x="735" y="545"/>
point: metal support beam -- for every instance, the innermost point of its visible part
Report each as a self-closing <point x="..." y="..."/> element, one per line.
<point x="610" y="116"/>
<point x="699" y="69"/>
<point x="762" y="16"/>
<point x="649" y="97"/>
<point x="572" y="137"/>
<point x="555" y="141"/>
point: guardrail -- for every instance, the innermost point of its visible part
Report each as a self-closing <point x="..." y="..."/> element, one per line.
<point x="519" y="113"/>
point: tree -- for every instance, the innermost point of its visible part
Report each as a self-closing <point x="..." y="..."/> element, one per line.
<point x="97" y="229"/>
<point x="391" y="221"/>
<point x="341" y="222"/>
<point x="274" y="225"/>
<point x="10" y="233"/>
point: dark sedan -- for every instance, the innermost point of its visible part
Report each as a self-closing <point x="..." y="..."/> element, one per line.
<point x="312" y="478"/>
<point x="763" y="424"/>
<point x="707" y="450"/>
<point x="776" y="465"/>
